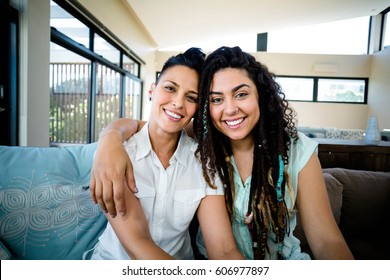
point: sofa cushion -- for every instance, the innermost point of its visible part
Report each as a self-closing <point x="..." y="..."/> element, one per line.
<point x="4" y="253"/>
<point x="366" y="205"/>
<point x="45" y="208"/>
<point x="332" y="133"/>
<point x="312" y="132"/>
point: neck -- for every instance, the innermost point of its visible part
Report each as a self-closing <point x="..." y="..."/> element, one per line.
<point x="244" y="145"/>
<point x="243" y="156"/>
<point x="164" y="144"/>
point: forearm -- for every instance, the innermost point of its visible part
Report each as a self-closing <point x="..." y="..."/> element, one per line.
<point x="227" y="254"/>
<point x="145" y="249"/>
<point x="121" y="129"/>
<point x="332" y="250"/>
<point x="216" y="229"/>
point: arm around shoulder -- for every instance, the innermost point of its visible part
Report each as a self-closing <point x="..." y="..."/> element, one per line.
<point x="112" y="170"/>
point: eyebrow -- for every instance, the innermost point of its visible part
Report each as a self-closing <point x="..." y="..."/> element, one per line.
<point x="176" y="84"/>
<point x="233" y="89"/>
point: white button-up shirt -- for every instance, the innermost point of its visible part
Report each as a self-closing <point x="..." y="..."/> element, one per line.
<point x="169" y="196"/>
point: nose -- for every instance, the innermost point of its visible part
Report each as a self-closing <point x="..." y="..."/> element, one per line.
<point x="231" y="108"/>
<point x="178" y="100"/>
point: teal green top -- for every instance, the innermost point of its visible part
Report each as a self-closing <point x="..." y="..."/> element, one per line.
<point x="299" y="155"/>
<point x="240" y="208"/>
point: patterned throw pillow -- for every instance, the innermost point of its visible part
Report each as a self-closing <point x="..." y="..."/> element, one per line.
<point x="45" y="208"/>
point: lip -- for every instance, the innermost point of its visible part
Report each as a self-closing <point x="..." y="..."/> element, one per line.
<point x="173" y="115"/>
<point x="234" y="123"/>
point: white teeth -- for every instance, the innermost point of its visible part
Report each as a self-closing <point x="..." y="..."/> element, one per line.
<point x="235" y="122"/>
<point x="172" y="114"/>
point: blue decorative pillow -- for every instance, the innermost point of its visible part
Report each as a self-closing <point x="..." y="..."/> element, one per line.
<point x="4" y="253"/>
<point x="45" y="208"/>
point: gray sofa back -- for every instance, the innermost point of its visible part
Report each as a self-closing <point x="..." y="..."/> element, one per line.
<point x="360" y="202"/>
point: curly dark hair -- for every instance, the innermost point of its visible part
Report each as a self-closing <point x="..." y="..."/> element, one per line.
<point x="273" y="134"/>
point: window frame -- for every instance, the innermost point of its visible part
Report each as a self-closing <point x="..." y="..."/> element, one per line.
<point x="95" y="27"/>
<point x="385" y="17"/>
<point x="315" y="88"/>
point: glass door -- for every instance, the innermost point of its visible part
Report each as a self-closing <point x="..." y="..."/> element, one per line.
<point x="8" y="75"/>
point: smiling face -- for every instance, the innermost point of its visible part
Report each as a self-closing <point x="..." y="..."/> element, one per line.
<point x="174" y="99"/>
<point x="234" y="103"/>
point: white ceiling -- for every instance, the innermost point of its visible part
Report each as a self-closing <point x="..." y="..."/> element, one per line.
<point x="173" y="23"/>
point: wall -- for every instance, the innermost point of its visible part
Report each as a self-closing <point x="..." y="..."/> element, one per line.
<point x="376" y="67"/>
<point x="379" y="98"/>
<point x="34" y="72"/>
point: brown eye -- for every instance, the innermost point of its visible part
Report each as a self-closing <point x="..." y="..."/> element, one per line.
<point x="241" y="94"/>
<point x="169" y="88"/>
<point x="216" y="100"/>
<point x="192" y="98"/>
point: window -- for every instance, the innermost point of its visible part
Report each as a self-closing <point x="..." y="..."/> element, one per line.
<point x="297" y="88"/>
<point x="324" y="89"/>
<point x="130" y="65"/>
<point x="106" y="50"/>
<point x="386" y="29"/>
<point x="69" y="96"/>
<point x="93" y="78"/>
<point x="341" y="90"/>
<point x="67" y="24"/>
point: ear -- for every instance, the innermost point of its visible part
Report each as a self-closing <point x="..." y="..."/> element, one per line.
<point x="151" y="90"/>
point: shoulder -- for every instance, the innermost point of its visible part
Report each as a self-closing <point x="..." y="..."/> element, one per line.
<point x="303" y="144"/>
<point x="138" y="144"/>
<point x="188" y="141"/>
<point x="300" y="152"/>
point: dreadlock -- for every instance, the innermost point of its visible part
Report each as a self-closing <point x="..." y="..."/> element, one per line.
<point x="272" y="134"/>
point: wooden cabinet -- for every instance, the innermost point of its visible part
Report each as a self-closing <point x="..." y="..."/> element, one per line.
<point x="353" y="154"/>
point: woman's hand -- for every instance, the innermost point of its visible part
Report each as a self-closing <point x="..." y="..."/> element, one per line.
<point x="112" y="170"/>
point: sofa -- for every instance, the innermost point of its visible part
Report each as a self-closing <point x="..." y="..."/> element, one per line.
<point x="46" y="211"/>
<point x="339" y="133"/>
<point x="360" y="202"/>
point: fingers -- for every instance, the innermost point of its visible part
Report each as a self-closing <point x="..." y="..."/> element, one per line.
<point x="109" y="179"/>
<point x="107" y="199"/>
<point x="119" y="186"/>
<point x="99" y="196"/>
<point x="92" y="187"/>
<point x="109" y="194"/>
<point x="118" y="198"/>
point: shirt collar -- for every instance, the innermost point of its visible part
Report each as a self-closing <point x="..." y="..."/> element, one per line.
<point x="181" y="153"/>
<point x="143" y="147"/>
<point x="237" y="177"/>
